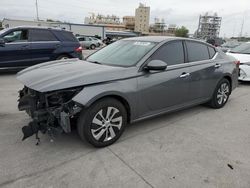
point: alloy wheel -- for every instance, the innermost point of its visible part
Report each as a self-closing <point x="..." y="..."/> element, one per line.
<point x="223" y="93"/>
<point x="106" y="124"/>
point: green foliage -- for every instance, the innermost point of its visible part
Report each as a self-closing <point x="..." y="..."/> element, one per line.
<point x="181" y="32"/>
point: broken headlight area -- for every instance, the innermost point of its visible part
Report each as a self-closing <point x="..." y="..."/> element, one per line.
<point x="51" y="112"/>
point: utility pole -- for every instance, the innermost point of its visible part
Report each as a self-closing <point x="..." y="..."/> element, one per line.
<point x="37" y="17"/>
<point x="242" y="25"/>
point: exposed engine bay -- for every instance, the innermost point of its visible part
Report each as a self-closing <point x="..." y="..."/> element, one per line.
<point x="50" y="112"/>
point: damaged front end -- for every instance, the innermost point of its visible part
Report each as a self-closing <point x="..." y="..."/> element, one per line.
<point x="51" y="111"/>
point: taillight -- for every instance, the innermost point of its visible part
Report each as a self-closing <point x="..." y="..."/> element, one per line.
<point x="237" y="62"/>
<point x="79" y="49"/>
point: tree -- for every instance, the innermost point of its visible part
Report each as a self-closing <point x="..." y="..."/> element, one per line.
<point x="181" y="32"/>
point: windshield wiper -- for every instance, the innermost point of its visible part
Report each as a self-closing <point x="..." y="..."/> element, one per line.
<point x="96" y="62"/>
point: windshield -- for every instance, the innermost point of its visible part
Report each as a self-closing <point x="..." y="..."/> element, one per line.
<point x="122" y="53"/>
<point x="2" y="31"/>
<point x="242" y="49"/>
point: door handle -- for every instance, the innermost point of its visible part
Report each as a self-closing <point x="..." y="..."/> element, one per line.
<point x="184" y="75"/>
<point x="217" y="65"/>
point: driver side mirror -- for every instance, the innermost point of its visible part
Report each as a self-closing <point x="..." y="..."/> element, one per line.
<point x="156" y="65"/>
<point x="2" y="42"/>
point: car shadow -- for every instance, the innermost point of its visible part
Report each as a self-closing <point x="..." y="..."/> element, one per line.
<point x="245" y="83"/>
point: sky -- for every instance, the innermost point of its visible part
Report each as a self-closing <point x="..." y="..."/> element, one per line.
<point x="180" y="12"/>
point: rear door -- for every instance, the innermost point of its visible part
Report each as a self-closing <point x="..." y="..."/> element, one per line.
<point x="16" y="51"/>
<point x="204" y="70"/>
<point x="43" y="45"/>
<point x="169" y="89"/>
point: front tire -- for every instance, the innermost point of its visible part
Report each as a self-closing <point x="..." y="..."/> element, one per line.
<point x="221" y="94"/>
<point x="103" y="122"/>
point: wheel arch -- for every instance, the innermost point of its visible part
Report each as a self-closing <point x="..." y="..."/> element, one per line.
<point x="116" y="95"/>
<point x="120" y="99"/>
<point x="229" y="78"/>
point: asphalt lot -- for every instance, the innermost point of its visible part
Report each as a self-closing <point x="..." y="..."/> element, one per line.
<point x="191" y="148"/>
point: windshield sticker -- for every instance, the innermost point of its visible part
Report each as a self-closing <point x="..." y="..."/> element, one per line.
<point x="142" y="43"/>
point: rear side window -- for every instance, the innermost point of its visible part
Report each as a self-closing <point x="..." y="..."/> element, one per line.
<point x="172" y="53"/>
<point x="66" y="36"/>
<point x="197" y="51"/>
<point x="212" y="51"/>
<point x="42" y="35"/>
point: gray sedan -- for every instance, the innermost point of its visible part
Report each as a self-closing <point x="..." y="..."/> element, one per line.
<point x="128" y="81"/>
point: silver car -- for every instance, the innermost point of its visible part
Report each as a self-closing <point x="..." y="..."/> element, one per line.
<point x="128" y="81"/>
<point x="88" y="42"/>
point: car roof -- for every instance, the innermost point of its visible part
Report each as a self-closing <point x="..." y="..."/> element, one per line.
<point x="38" y="27"/>
<point x="159" y="39"/>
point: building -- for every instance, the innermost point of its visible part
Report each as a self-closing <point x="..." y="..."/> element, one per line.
<point x="142" y="14"/>
<point x="209" y="26"/>
<point x="158" y="26"/>
<point x="171" y="28"/>
<point x="102" y="19"/>
<point x="120" y="34"/>
<point x="80" y="29"/>
<point x="110" y="22"/>
<point x="129" y="22"/>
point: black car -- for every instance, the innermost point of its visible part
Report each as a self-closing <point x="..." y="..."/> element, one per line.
<point x="21" y="47"/>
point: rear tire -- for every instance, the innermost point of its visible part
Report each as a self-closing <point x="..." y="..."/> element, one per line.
<point x="92" y="46"/>
<point x="62" y="57"/>
<point x="103" y="122"/>
<point x="221" y="94"/>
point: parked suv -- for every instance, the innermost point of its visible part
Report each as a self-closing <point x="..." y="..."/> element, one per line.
<point x="21" y="47"/>
<point x="127" y="81"/>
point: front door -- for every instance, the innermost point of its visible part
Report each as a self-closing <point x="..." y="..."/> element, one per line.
<point x="165" y="90"/>
<point x="16" y="50"/>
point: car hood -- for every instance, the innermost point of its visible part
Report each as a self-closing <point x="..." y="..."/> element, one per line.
<point x="56" y="75"/>
<point x="243" y="58"/>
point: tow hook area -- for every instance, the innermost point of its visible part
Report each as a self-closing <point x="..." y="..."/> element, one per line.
<point x="51" y="113"/>
<point x="33" y="128"/>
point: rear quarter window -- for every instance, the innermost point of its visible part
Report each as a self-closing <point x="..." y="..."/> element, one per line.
<point x="42" y="35"/>
<point x="66" y="36"/>
<point x="212" y="51"/>
<point x="197" y="51"/>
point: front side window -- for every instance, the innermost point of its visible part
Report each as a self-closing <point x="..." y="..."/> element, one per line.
<point x="16" y="36"/>
<point x="122" y="53"/>
<point x="172" y="53"/>
<point x="197" y="51"/>
<point x="42" y="35"/>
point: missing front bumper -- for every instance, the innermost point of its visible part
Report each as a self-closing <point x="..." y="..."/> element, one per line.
<point x="46" y="119"/>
